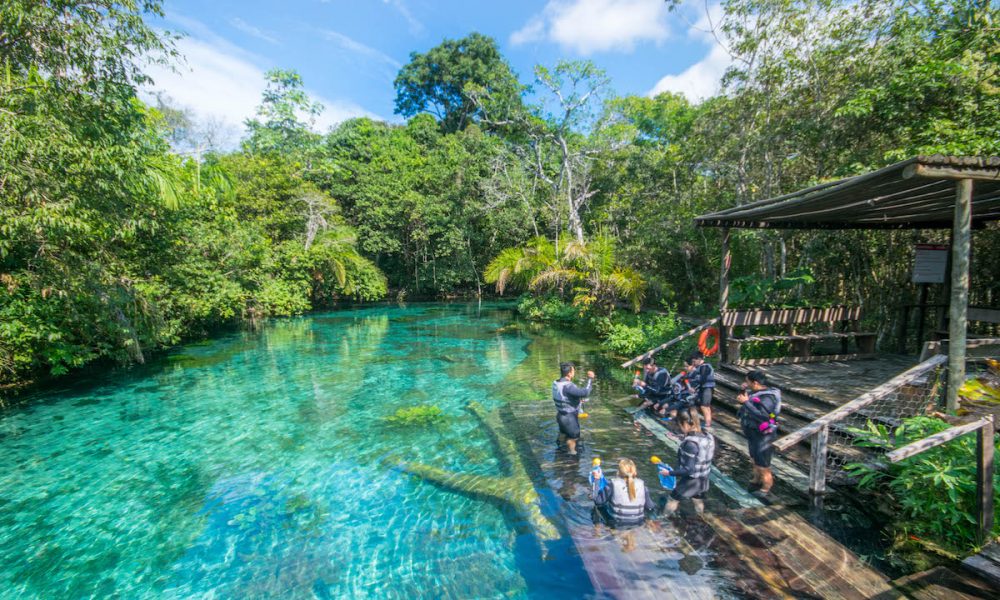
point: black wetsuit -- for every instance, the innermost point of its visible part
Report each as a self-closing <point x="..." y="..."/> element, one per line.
<point x="703" y="381"/>
<point x="657" y="388"/>
<point x="567" y="397"/>
<point x="694" y="465"/>
<point x="756" y="417"/>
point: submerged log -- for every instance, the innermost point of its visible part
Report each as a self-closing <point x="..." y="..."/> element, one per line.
<point x="515" y="489"/>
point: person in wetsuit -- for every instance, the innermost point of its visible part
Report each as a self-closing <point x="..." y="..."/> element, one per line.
<point x="624" y="500"/>
<point x="567" y="397"/>
<point x="654" y="387"/>
<point x="702" y="378"/>
<point x="694" y="463"/>
<point x="760" y="406"/>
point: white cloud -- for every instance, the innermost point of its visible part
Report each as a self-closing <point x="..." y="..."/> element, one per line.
<point x="404" y="11"/>
<point x="219" y="81"/>
<point x="252" y="30"/>
<point x="704" y="78"/>
<point x="588" y="26"/>
<point x="356" y="47"/>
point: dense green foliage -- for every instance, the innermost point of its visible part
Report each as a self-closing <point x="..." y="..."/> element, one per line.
<point x="933" y="494"/>
<point x="112" y="243"/>
<point x="438" y="81"/>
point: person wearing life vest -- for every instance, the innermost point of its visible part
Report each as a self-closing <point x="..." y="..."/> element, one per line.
<point x="694" y="463"/>
<point x="567" y="397"/>
<point x="624" y="501"/>
<point x="760" y="406"/>
<point x="702" y="378"/>
<point x="654" y="387"/>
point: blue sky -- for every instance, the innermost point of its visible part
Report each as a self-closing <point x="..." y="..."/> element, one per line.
<point x="348" y="51"/>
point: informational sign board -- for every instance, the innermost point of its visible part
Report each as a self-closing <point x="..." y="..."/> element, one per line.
<point x="930" y="263"/>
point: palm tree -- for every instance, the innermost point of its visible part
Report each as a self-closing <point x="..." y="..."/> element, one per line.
<point x="517" y="267"/>
<point x="589" y="269"/>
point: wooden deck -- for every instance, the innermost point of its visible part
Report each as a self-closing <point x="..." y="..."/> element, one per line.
<point x="787" y="553"/>
<point x="837" y="382"/>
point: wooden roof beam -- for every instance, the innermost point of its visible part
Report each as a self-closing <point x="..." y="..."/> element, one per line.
<point x="952" y="173"/>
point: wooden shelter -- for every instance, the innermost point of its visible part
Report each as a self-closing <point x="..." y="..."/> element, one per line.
<point x="925" y="192"/>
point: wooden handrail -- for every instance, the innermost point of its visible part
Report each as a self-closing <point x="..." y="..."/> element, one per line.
<point x="666" y="345"/>
<point x="860" y="402"/>
<point x="985" y="467"/>
<point x="937" y="439"/>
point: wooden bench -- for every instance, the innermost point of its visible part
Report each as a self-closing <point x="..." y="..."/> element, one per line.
<point x="849" y="319"/>
<point x="975" y="314"/>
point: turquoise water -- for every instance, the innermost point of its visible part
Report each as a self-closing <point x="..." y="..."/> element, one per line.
<point x="264" y="464"/>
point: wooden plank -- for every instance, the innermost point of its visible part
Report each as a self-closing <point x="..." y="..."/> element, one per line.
<point x="817" y="462"/>
<point x="986" y="315"/>
<point x="984" y="480"/>
<point x="792" y="360"/>
<point x="745" y="318"/>
<point x="666" y="345"/>
<point x="992" y="552"/>
<point x="864" y="400"/>
<point x="983" y="567"/>
<point x="941" y="346"/>
<point x="808" y="336"/>
<point x="936" y="440"/>
<point x="961" y="243"/>
<point x="829" y="569"/>
<point x="942" y="583"/>
<point x="938" y="172"/>
<point x="719" y="479"/>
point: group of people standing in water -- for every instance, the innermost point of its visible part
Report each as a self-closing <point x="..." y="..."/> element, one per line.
<point x="684" y="403"/>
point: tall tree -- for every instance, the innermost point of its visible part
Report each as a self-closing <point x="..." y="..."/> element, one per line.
<point x="285" y="117"/>
<point x="438" y="81"/>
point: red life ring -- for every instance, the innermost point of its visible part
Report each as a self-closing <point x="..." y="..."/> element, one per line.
<point x="703" y="341"/>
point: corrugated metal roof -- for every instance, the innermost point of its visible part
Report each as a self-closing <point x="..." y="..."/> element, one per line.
<point x="918" y="193"/>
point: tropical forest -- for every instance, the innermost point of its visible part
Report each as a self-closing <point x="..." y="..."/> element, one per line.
<point x="133" y="237"/>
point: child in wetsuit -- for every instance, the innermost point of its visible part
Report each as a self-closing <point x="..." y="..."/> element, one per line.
<point x="694" y="463"/>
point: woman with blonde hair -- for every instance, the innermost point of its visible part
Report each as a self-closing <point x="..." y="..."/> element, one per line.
<point x="623" y="502"/>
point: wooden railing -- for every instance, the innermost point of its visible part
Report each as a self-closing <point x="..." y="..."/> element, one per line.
<point x="666" y="345"/>
<point x="819" y="430"/>
<point x="984" y="465"/>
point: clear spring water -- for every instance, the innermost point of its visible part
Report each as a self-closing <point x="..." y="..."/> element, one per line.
<point x="262" y="465"/>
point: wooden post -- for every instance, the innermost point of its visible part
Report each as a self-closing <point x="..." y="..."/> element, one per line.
<point x="921" y="314"/>
<point x="984" y="480"/>
<point x="961" y="242"/>
<point x="903" y="329"/>
<point x="727" y="263"/>
<point x="817" y="463"/>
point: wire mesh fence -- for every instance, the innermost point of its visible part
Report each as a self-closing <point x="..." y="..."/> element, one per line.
<point x="864" y="435"/>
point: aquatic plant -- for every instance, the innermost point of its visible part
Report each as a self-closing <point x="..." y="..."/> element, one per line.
<point x="416" y="416"/>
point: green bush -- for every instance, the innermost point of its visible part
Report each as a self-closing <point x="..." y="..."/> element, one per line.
<point x="933" y="493"/>
<point x="629" y="335"/>
<point x="548" y="309"/>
